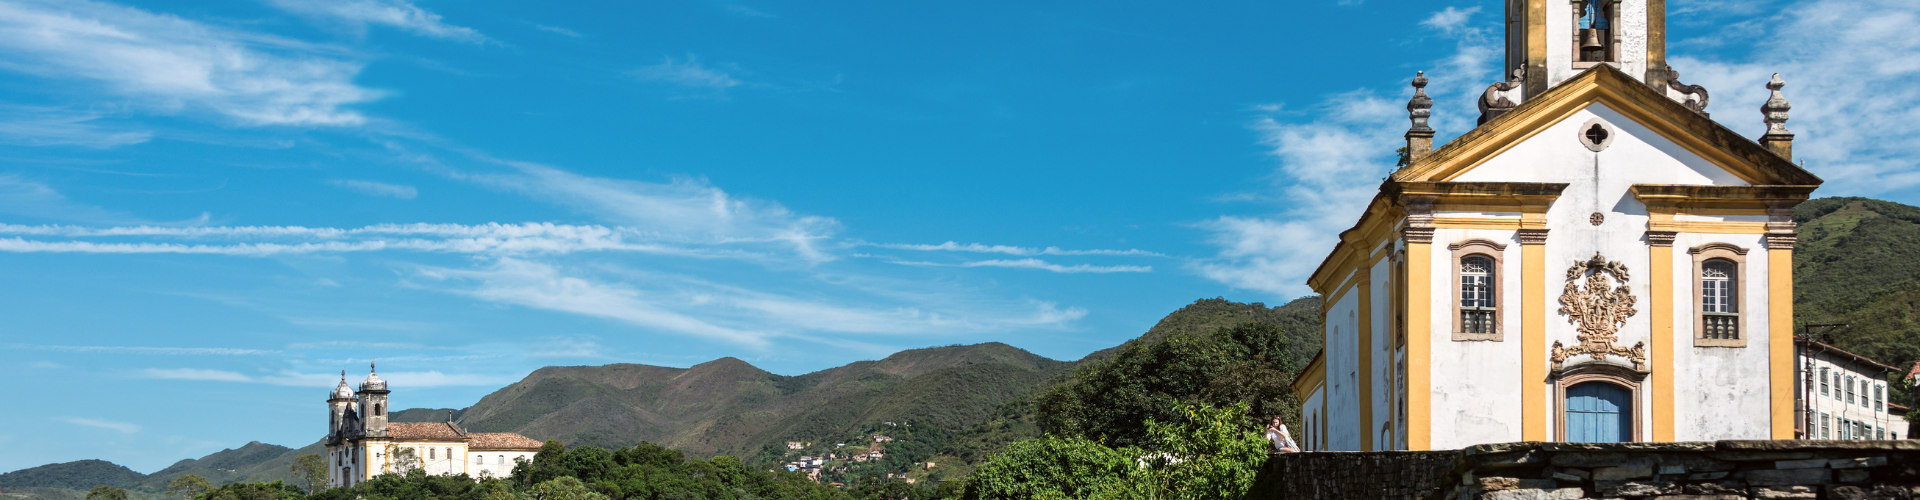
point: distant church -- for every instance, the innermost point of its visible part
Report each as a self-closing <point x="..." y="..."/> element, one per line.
<point x="1597" y="261"/>
<point x="361" y="443"/>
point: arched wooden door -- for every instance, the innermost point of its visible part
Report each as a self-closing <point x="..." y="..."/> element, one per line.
<point x="1599" y="412"/>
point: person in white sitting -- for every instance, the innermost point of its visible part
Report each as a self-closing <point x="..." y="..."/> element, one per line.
<point x="1282" y="441"/>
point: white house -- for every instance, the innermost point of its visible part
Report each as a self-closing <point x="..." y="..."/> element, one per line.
<point x="1596" y="261"/>
<point x="1842" y="395"/>
<point x="361" y="443"/>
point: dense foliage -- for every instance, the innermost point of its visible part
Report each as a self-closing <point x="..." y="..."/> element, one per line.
<point x="1208" y="453"/>
<point x="1113" y="399"/>
<point x="79" y="475"/>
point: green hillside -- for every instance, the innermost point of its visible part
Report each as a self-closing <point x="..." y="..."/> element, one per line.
<point x="1857" y="262"/>
<point x="79" y="475"/>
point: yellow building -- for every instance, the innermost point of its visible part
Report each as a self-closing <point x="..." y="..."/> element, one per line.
<point x="1596" y="261"/>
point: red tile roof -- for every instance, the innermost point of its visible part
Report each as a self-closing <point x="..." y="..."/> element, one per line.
<point x="501" y="441"/>
<point x="425" y="430"/>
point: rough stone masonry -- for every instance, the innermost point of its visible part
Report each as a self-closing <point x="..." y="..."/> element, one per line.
<point x="1722" y="470"/>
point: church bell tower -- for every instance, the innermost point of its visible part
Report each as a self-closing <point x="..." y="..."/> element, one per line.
<point x="337" y="403"/>
<point x="1549" y="41"/>
<point x="373" y="404"/>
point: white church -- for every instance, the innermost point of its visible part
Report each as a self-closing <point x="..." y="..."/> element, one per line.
<point x="361" y="443"/>
<point x="1597" y="261"/>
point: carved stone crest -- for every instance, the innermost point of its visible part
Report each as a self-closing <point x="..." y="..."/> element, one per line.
<point x="1598" y="309"/>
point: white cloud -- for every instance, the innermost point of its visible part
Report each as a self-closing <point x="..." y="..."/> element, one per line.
<point x="378" y="188"/>
<point x="57" y="127"/>
<point x="1036" y="264"/>
<point x="1849" y="67"/>
<point x="492" y="238"/>
<point x="1450" y="20"/>
<point x="689" y="73"/>
<point x="541" y="286"/>
<point x="194" y="374"/>
<point x="21" y="196"/>
<point x="1009" y="250"/>
<point x="560" y="30"/>
<point x="1331" y="165"/>
<point x="392" y="13"/>
<point x="167" y="351"/>
<point x="101" y="423"/>
<point x="170" y="63"/>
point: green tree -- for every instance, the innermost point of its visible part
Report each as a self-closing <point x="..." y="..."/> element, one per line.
<point x="400" y="460"/>
<point x="104" y="492"/>
<point x="563" y="488"/>
<point x="1111" y="400"/>
<point x="1208" y="455"/>
<point x="310" y="469"/>
<point x="1048" y="468"/>
<point x="188" y="486"/>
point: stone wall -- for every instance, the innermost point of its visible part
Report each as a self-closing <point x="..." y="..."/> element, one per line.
<point x="1352" y="474"/>
<point x="1722" y="470"/>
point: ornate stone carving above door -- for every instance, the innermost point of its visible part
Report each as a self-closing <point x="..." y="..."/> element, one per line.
<point x="1598" y="310"/>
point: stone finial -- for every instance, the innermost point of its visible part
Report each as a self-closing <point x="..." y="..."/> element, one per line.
<point x="1777" y="138"/>
<point x="1694" y="97"/>
<point x="1421" y="106"/>
<point x="1419" y="136"/>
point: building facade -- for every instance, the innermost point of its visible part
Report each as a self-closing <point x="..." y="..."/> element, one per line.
<point x="362" y="444"/>
<point x="1597" y="261"/>
<point x="1842" y="395"/>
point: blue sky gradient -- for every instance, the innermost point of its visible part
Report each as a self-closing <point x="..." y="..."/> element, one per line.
<point x="209" y="209"/>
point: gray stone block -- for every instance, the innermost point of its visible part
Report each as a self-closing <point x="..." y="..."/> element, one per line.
<point x="1701" y="497"/>
<point x="1562" y="476"/>
<point x="1853" y="476"/>
<point x="1706" y="476"/>
<point x="1719" y="488"/>
<point x="1783" y="493"/>
<point x="1635" y="488"/>
<point x="1856" y="463"/>
<point x="1535" y="494"/>
<point x="1673" y="469"/>
<point x="1620" y="473"/>
<point x="1789" y="476"/>
<point x="1801" y="464"/>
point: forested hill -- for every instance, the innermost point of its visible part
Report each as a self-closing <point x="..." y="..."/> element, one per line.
<point x="1857" y="262"/>
<point x="77" y="475"/>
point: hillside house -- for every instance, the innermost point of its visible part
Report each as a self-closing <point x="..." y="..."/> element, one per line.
<point x="1597" y="261"/>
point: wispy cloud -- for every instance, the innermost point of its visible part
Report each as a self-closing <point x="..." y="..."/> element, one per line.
<point x="57" y="127"/>
<point x="260" y="241"/>
<point x="101" y="424"/>
<point x="689" y="74"/>
<point x="378" y="188"/>
<point x="172" y="63"/>
<point x="1009" y="250"/>
<point x="22" y="196"/>
<point x="431" y="378"/>
<point x="542" y="286"/>
<point x="1844" y="61"/>
<point x="560" y="30"/>
<point x="399" y="14"/>
<point x="164" y="351"/>
<point x="1330" y="165"/>
<point x="1034" y="264"/>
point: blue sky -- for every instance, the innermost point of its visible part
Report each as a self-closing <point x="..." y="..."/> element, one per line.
<point x="208" y="209"/>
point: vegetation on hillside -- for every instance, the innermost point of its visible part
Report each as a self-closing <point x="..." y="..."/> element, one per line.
<point x="79" y="475"/>
<point x="1857" y="262"/>
<point x="1249" y="365"/>
<point x="1208" y="453"/>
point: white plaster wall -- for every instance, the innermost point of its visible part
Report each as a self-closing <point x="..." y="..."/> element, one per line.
<point x="1559" y="42"/>
<point x="1632" y="31"/>
<point x="1343" y="375"/>
<point x="1312" y="420"/>
<point x="1721" y="392"/>
<point x="1381" y="326"/>
<point x="1476" y="385"/>
<point x="494" y="465"/>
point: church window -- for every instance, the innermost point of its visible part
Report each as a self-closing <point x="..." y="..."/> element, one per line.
<point x="1879" y="432"/>
<point x="1718" y="320"/>
<point x="1849" y="387"/>
<point x="1826" y="426"/>
<point x="1879" y="397"/>
<point x="502" y="460"/>
<point x="1476" y="304"/>
<point x="479" y="459"/>
<point x="1823" y="381"/>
